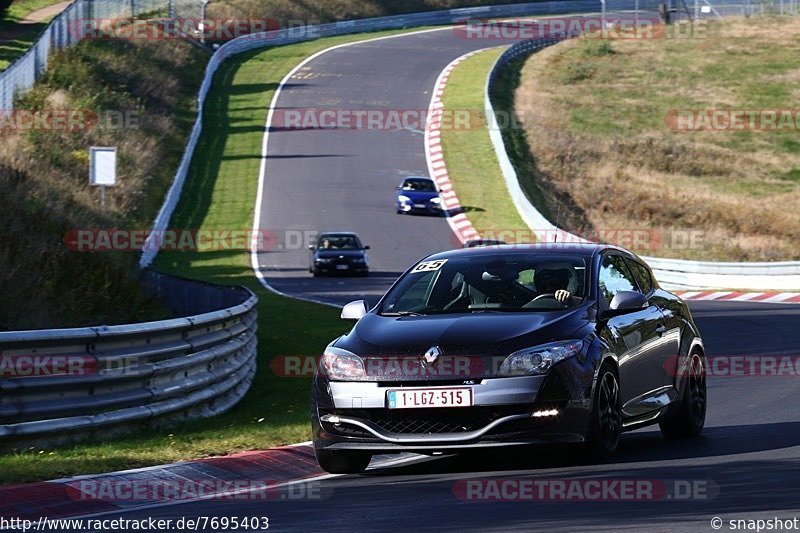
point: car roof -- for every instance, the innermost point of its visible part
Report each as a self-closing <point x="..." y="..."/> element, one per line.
<point x="337" y="234"/>
<point x="582" y="250"/>
<point x="428" y="178"/>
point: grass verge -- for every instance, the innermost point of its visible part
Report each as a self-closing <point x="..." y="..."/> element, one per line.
<point x="598" y="136"/>
<point x="220" y="194"/>
<point x="471" y="160"/>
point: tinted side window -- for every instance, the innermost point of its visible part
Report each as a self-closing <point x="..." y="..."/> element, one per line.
<point x="614" y="277"/>
<point x="642" y="275"/>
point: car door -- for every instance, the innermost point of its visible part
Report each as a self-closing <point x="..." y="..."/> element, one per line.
<point x="671" y="323"/>
<point x="637" y="338"/>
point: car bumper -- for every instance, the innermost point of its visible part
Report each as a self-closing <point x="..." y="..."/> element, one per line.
<point x="419" y="209"/>
<point x="341" y="268"/>
<point x="505" y="411"/>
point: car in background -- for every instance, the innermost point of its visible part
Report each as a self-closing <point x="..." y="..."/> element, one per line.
<point x="509" y="345"/>
<point x="418" y="195"/>
<point x="478" y="243"/>
<point x="338" y="253"/>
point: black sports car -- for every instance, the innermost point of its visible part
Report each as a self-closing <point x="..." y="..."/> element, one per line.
<point x="509" y="345"/>
<point x="338" y="253"/>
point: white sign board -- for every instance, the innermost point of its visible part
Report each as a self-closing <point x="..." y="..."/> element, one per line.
<point x="102" y="166"/>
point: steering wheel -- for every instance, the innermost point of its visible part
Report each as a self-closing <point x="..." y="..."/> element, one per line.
<point x="550" y="295"/>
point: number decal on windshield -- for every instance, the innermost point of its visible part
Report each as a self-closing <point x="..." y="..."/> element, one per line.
<point x="429" y="266"/>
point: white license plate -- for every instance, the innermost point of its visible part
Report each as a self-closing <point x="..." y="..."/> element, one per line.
<point x="419" y="206"/>
<point x="416" y="398"/>
<point x="342" y="267"/>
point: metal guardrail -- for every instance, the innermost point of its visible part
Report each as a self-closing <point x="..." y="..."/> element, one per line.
<point x="109" y="378"/>
<point x="672" y="273"/>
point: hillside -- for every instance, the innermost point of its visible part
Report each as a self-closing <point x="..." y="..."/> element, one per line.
<point x="137" y="96"/>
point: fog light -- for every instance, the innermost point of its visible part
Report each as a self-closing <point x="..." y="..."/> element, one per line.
<point x="333" y="419"/>
<point x="545" y="413"/>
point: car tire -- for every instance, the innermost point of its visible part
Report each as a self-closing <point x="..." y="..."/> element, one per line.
<point x="689" y="419"/>
<point x="605" y="427"/>
<point x="315" y="273"/>
<point x="399" y="211"/>
<point x="343" y="462"/>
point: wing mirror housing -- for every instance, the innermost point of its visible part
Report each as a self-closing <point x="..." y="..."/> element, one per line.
<point x="624" y="302"/>
<point x="355" y="310"/>
<point x="366" y="247"/>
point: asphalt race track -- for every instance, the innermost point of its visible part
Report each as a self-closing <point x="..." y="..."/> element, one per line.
<point x="748" y="459"/>
<point x="344" y="179"/>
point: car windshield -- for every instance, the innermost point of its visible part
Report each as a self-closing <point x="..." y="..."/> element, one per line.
<point x="489" y="283"/>
<point x="419" y="184"/>
<point x="338" y="242"/>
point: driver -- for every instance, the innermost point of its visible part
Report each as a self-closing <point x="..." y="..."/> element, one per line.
<point x="555" y="282"/>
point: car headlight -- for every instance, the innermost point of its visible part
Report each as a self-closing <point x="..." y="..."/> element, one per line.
<point x="538" y="359"/>
<point x="436" y="200"/>
<point x="322" y="260"/>
<point x="342" y="365"/>
<point x="359" y="260"/>
<point x="404" y="199"/>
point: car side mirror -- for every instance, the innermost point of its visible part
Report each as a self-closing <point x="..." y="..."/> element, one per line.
<point x="355" y="310"/>
<point x="624" y="302"/>
<point x="366" y="247"/>
<point x="311" y="247"/>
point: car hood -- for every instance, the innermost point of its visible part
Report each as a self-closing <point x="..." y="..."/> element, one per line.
<point x="488" y="336"/>
<point x="419" y="196"/>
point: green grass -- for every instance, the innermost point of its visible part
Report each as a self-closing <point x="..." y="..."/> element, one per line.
<point x="220" y="193"/>
<point x="471" y="160"/>
<point x="23" y="39"/>
<point x="20" y="9"/>
<point x="24" y="35"/>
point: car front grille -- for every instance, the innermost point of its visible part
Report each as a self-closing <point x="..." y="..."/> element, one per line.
<point x="433" y="421"/>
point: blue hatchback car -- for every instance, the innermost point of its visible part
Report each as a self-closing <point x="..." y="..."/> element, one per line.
<point x="418" y="195"/>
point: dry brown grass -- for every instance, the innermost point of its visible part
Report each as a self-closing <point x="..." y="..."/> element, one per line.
<point x="595" y="125"/>
<point x="44" y="191"/>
